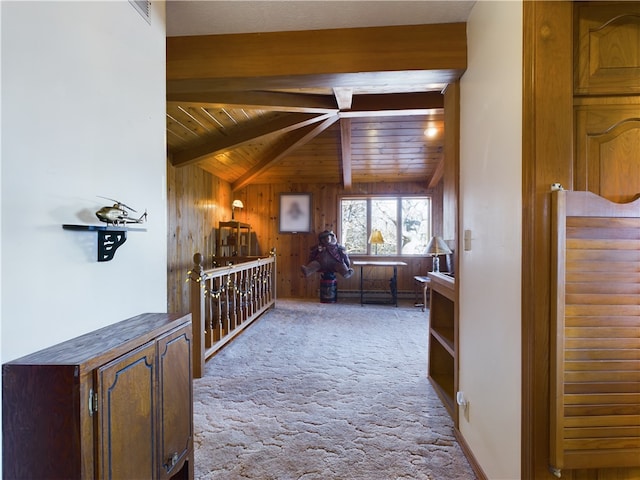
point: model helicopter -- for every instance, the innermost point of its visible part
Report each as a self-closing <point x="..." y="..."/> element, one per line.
<point x="118" y="214"/>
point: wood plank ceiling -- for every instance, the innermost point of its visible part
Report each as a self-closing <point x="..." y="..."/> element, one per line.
<point x="331" y="106"/>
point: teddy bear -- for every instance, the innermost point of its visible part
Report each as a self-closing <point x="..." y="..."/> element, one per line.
<point x="328" y="256"/>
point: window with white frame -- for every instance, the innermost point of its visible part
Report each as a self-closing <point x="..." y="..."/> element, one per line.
<point x="404" y="222"/>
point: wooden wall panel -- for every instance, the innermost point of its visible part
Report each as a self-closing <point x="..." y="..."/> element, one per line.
<point x="546" y="158"/>
<point x="196" y="202"/>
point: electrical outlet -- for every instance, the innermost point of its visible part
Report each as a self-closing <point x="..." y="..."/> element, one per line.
<point x="463" y="403"/>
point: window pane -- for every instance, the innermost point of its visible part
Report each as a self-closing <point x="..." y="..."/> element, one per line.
<point x="354" y="226"/>
<point x="416" y="225"/>
<point x="405" y="224"/>
<point x="384" y="217"/>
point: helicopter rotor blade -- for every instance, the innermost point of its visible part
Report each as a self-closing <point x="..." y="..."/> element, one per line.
<point x="119" y="203"/>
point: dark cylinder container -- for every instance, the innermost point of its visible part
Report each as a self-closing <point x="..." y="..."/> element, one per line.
<point x="328" y="288"/>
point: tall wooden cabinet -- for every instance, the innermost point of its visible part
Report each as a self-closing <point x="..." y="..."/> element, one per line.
<point x="607" y="99"/>
<point x="114" y="403"/>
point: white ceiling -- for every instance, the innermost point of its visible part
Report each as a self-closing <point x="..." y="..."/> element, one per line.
<point x="204" y="17"/>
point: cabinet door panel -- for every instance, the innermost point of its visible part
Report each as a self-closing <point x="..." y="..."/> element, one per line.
<point x="608" y="142"/>
<point x="608" y="41"/>
<point x="126" y="434"/>
<point x="175" y="401"/>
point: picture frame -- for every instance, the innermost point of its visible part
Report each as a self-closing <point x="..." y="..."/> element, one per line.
<point x="295" y="213"/>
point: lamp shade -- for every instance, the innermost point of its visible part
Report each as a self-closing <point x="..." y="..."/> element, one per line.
<point x="376" y="238"/>
<point x="234" y="205"/>
<point x="437" y="246"/>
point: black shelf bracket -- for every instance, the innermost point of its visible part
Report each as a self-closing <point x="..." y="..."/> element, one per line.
<point x="109" y="238"/>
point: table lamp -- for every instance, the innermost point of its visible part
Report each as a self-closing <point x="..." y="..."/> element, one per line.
<point x="376" y="239"/>
<point x="234" y="205"/>
<point x="437" y="247"/>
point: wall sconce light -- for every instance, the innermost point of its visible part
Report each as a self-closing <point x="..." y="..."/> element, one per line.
<point x="376" y="239"/>
<point x="234" y="205"/>
<point x="437" y="247"/>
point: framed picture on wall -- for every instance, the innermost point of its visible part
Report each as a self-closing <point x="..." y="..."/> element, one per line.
<point x="295" y="212"/>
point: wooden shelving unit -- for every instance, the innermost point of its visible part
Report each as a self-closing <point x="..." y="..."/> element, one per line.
<point x="234" y="239"/>
<point x="443" y="341"/>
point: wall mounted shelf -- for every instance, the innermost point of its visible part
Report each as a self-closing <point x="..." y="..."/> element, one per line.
<point x="109" y="238"/>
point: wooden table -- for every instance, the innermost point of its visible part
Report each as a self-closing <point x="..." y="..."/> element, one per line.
<point x="393" y="281"/>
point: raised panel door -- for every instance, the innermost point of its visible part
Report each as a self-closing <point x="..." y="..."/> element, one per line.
<point x="126" y="416"/>
<point x="608" y="151"/>
<point x="175" y="401"/>
<point x="608" y="48"/>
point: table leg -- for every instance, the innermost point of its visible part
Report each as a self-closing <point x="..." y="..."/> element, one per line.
<point x="395" y="285"/>
<point x="361" y="285"/>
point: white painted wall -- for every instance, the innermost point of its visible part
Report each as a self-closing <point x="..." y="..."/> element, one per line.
<point x="490" y="206"/>
<point x="83" y="114"/>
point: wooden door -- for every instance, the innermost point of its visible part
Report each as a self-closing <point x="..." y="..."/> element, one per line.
<point x="595" y="347"/>
<point x="126" y="416"/>
<point x="175" y="401"/>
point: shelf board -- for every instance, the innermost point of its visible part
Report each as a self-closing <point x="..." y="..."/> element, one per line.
<point x="445" y="338"/>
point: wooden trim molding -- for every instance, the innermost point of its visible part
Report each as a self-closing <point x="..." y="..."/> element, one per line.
<point x="547" y="157"/>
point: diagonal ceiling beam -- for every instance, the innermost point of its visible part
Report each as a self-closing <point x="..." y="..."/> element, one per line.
<point x="277" y="101"/>
<point x="293" y="141"/>
<point x="437" y="174"/>
<point x="270" y="126"/>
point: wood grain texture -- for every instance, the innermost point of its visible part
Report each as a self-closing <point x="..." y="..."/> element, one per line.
<point x="608" y="46"/>
<point x="330" y="52"/>
<point x="595" y="361"/>
<point x="547" y="154"/>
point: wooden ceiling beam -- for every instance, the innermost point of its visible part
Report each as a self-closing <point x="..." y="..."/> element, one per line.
<point x="437" y="174"/>
<point x="398" y="101"/>
<point x="292" y="141"/>
<point x="437" y="47"/>
<point x="345" y="142"/>
<point x="344" y="97"/>
<point x="270" y="101"/>
<point x="283" y="124"/>
<point x="430" y="79"/>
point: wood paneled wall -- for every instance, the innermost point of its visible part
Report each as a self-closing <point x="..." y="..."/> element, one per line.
<point x="197" y="201"/>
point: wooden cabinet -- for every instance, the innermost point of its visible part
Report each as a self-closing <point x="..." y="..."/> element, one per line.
<point x="606" y="99"/>
<point x="114" y="403"/>
<point x="234" y="239"/>
<point x="443" y="340"/>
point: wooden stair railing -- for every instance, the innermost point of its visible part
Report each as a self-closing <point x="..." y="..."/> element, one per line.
<point x="595" y="333"/>
<point x="225" y="300"/>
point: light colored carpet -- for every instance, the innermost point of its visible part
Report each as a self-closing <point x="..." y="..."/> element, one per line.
<point x="325" y="391"/>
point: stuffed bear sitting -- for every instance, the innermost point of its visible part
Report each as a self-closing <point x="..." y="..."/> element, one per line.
<point x="328" y="256"/>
